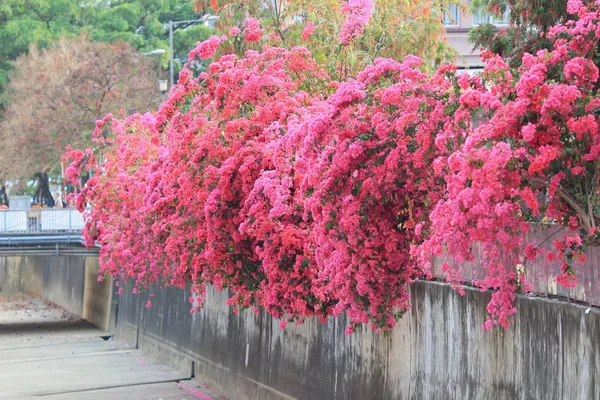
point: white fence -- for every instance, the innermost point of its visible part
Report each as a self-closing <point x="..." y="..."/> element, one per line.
<point x="13" y="221"/>
<point x="49" y="220"/>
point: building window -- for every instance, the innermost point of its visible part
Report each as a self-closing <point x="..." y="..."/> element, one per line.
<point x="451" y="16"/>
<point x="482" y="18"/>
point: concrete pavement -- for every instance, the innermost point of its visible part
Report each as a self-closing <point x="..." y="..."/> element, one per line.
<point x="47" y="353"/>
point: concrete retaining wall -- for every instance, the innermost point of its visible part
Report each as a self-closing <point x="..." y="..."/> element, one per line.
<point x="96" y="296"/>
<point x="438" y="350"/>
<point x="67" y="280"/>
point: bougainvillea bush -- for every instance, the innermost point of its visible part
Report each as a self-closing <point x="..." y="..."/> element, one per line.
<point x="313" y="197"/>
<point x="534" y="155"/>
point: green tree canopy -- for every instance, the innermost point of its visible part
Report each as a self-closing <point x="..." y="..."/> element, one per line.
<point x="56" y="95"/>
<point x="142" y="23"/>
<point x="529" y="21"/>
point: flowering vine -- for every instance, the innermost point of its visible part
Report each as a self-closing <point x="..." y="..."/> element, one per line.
<point x="357" y="14"/>
<point x="533" y="157"/>
<point x="313" y="197"/>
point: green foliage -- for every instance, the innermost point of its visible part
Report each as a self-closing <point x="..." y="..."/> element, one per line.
<point x="528" y="19"/>
<point x="396" y="28"/>
<point x="142" y="23"/>
<point x="24" y="189"/>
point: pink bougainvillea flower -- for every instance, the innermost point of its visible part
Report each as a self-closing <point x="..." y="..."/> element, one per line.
<point x="307" y="196"/>
<point x="309" y="29"/>
<point x="252" y="30"/>
<point x="207" y="49"/>
<point x="358" y="13"/>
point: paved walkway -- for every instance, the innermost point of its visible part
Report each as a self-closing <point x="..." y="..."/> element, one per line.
<point x="47" y="353"/>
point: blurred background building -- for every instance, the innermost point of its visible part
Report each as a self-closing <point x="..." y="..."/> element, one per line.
<point x="458" y="24"/>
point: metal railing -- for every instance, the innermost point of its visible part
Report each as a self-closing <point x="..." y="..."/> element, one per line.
<point x="44" y="220"/>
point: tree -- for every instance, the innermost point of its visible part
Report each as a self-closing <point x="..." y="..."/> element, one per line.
<point x="57" y="94"/>
<point x="396" y="28"/>
<point x="530" y="21"/>
<point x="142" y="23"/>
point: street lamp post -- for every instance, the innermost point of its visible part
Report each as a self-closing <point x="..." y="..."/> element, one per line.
<point x="171" y="54"/>
<point x="162" y="84"/>
<point x="173" y="24"/>
<point x="207" y="19"/>
<point x="156" y="52"/>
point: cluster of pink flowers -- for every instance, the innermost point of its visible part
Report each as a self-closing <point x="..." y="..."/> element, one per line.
<point x="310" y="197"/>
<point x="207" y="49"/>
<point x="252" y="30"/>
<point x="533" y="152"/>
<point x="358" y="13"/>
<point x="309" y="29"/>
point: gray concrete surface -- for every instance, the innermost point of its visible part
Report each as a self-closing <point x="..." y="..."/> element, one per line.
<point x="46" y="352"/>
<point x="69" y="280"/>
<point x="438" y="351"/>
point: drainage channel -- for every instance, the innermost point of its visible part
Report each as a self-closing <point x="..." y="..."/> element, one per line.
<point x="47" y="354"/>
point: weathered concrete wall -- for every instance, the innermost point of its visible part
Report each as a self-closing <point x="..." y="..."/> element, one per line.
<point x="10" y="275"/>
<point x="97" y="295"/>
<point x="71" y="281"/>
<point x="438" y="350"/>
<point x="63" y="280"/>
